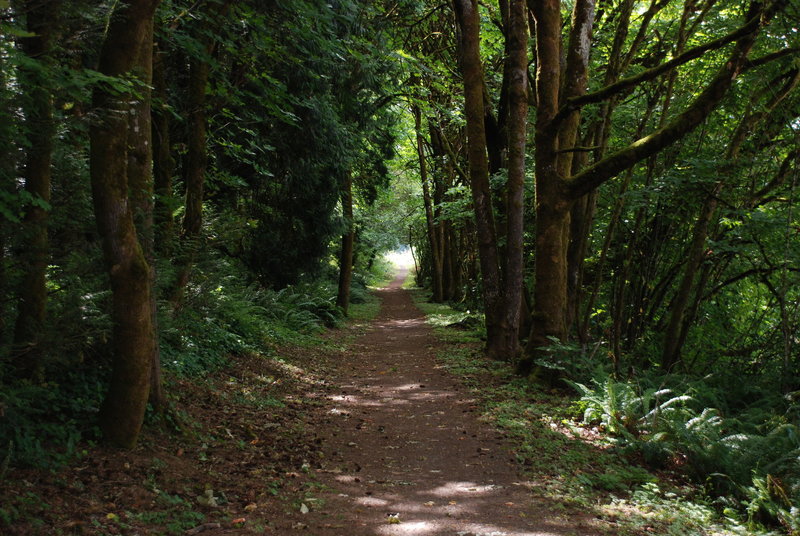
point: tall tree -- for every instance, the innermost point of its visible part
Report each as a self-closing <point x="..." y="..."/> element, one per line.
<point x="501" y="277"/>
<point x="196" y="164"/>
<point x="434" y="236"/>
<point x="348" y="246"/>
<point x="123" y="55"/>
<point x="517" y="128"/>
<point x="560" y="97"/>
<point x="41" y="19"/>
<point x="677" y="327"/>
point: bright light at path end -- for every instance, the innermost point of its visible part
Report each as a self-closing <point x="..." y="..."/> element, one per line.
<point x="401" y="258"/>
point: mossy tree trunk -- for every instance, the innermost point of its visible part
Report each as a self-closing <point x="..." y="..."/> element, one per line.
<point x="140" y="184"/>
<point x="130" y="32"/>
<point x="516" y="124"/>
<point x="487" y="141"/>
<point x="478" y="159"/>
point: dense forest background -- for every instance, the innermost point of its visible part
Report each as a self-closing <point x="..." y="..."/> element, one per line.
<point x="607" y="188"/>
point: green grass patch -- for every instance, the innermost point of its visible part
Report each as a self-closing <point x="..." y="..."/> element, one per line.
<point x="450" y="325"/>
<point x="366" y="310"/>
<point x="177" y="517"/>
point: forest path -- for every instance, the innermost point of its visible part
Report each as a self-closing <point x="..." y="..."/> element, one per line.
<point x="401" y="435"/>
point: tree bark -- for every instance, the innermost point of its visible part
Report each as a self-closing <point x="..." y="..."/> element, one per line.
<point x="348" y="245"/>
<point x="472" y="70"/>
<point x="552" y="205"/>
<point x="163" y="163"/>
<point x="516" y="125"/>
<point x="437" y="271"/>
<point x="39" y="130"/>
<point x="123" y="409"/>
<point x="140" y="184"/>
<point x="194" y="177"/>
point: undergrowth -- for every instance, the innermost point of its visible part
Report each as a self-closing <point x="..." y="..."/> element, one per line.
<point x="747" y="459"/>
<point x="222" y="316"/>
<point x="644" y="458"/>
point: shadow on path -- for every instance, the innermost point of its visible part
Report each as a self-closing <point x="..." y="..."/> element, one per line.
<point x="400" y="435"/>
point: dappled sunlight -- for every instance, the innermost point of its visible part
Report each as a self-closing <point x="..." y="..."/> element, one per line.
<point x="371" y="501"/>
<point x="413" y="527"/>
<point x="454" y="502"/>
<point x="409" y="455"/>
<point x="455" y="488"/>
<point x="389" y="397"/>
<point x="405" y="322"/>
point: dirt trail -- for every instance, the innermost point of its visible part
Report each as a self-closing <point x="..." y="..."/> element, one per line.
<point x="400" y="435"/>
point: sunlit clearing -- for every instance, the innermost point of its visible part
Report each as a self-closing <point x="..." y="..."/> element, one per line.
<point x="401" y="258"/>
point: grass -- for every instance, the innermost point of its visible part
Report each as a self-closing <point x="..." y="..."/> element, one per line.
<point x="366" y="311"/>
<point x="576" y="467"/>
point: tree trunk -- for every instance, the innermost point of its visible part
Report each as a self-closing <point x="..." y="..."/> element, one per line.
<point x="194" y="177"/>
<point x="516" y="124"/>
<point x="437" y="268"/>
<point x="552" y="208"/>
<point x="163" y="163"/>
<point x="40" y="130"/>
<point x="123" y="410"/>
<point x="672" y="340"/>
<point x="194" y="172"/>
<point x="467" y="15"/>
<point x="549" y="320"/>
<point x="140" y="185"/>
<point x="348" y="245"/>
<point x="581" y="219"/>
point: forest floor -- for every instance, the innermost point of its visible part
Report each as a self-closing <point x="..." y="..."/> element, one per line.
<point x="369" y="433"/>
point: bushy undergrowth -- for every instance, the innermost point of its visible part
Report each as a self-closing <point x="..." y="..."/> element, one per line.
<point x="745" y="454"/>
<point x="221" y="316"/>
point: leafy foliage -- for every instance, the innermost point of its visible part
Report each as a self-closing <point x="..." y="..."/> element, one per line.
<point x="749" y="459"/>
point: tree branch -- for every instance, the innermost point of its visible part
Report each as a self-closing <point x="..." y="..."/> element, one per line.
<point x="593" y="176"/>
<point x="627" y="83"/>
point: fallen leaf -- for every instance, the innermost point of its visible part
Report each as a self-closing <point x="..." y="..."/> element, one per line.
<point x="429" y="503"/>
<point x="304" y="509"/>
<point x="452" y="502"/>
<point x="250" y="507"/>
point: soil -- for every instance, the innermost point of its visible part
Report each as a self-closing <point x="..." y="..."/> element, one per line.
<point x="375" y="439"/>
<point x="405" y="451"/>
